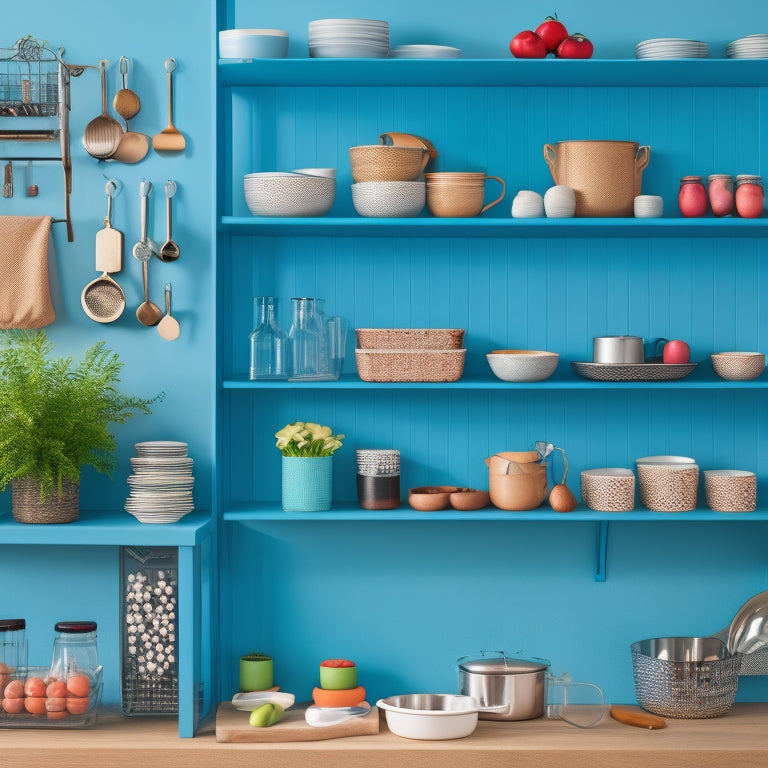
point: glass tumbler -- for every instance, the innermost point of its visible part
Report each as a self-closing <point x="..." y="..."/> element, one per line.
<point x="13" y="651"/>
<point x="269" y="343"/>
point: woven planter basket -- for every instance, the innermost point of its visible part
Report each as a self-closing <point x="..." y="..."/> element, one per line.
<point x="27" y="507"/>
<point x="307" y="483"/>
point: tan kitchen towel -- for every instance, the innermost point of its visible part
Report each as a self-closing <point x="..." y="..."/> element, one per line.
<point x="25" y="293"/>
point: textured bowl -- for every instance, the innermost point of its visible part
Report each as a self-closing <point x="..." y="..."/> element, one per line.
<point x="430" y="498"/>
<point x="469" y="499"/>
<point x="738" y="366"/>
<point x="389" y="198"/>
<point x="668" y="487"/>
<point x="328" y="172"/>
<point x="522" y="364"/>
<point x="288" y="194"/>
<point x="409" y="338"/>
<point x="611" y="489"/>
<point x="253" y="44"/>
<point x="376" y="162"/>
<point x="730" y="490"/>
<point x="410" y="364"/>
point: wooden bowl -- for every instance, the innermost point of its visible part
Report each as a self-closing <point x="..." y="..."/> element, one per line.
<point x="469" y="499"/>
<point x="430" y="498"/>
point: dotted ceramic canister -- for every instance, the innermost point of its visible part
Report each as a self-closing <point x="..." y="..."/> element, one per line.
<point x="307" y="483"/>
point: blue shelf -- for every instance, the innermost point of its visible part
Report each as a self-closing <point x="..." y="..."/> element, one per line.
<point x="563" y="379"/>
<point x="494" y="72"/>
<point x="429" y="226"/>
<point x="108" y="528"/>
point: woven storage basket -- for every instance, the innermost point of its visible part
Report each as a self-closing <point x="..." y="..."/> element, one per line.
<point x="409" y="338"/>
<point x="605" y="175"/>
<point x="668" y="488"/>
<point x="608" y="490"/>
<point x="730" y="490"/>
<point x="27" y="507"/>
<point x="410" y="364"/>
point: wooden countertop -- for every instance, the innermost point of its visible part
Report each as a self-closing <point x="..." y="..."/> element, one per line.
<point x="737" y="740"/>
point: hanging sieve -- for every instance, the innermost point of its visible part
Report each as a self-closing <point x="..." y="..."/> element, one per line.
<point x="103" y="299"/>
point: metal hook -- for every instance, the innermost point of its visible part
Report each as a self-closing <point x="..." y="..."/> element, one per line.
<point x="113" y="187"/>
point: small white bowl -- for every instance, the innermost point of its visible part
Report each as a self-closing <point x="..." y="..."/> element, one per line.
<point x="522" y="364"/>
<point x="253" y="44"/>
<point x="288" y="194"/>
<point x="329" y="173"/>
<point x="648" y="206"/>
<point x="389" y="198"/>
<point x="430" y="716"/>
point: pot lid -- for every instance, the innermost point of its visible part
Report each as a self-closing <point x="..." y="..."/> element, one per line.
<point x="503" y="665"/>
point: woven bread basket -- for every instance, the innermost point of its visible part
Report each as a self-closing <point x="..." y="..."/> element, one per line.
<point x="410" y="364"/>
<point x="27" y="507"/>
<point x="409" y="338"/>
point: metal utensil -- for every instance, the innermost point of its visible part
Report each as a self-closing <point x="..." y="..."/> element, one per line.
<point x="169" y="325"/>
<point x="103" y="134"/>
<point x="147" y="313"/>
<point x="126" y="102"/>
<point x="170" y="250"/>
<point x="748" y="631"/>
<point x="169" y="139"/>
<point x="142" y="250"/>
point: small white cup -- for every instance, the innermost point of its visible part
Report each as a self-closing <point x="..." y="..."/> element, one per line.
<point x="649" y="206"/>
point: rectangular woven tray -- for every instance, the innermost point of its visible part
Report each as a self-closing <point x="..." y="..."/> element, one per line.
<point x="410" y="364"/>
<point x="409" y="338"/>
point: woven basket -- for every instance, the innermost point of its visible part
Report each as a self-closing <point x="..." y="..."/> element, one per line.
<point x="410" y="364"/>
<point x="608" y="490"/>
<point x="605" y="175"/>
<point x="376" y="162"/>
<point x="409" y="338"/>
<point x="730" y="490"/>
<point x="668" y="489"/>
<point x="27" y="507"/>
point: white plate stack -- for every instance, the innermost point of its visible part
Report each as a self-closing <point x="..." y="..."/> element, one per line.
<point x="348" y="38"/>
<point x="749" y="47"/>
<point x="671" y="48"/>
<point x="161" y="486"/>
<point x="424" y="52"/>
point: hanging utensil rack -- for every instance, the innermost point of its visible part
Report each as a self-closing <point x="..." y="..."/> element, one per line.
<point x="35" y="105"/>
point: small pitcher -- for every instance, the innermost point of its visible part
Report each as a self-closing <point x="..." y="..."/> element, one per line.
<point x="517" y="480"/>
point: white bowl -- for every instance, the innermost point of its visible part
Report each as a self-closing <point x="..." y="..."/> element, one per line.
<point x="673" y="462"/>
<point x="648" y="206"/>
<point x="327" y="172"/>
<point x="253" y="44"/>
<point x="389" y="198"/>
<point x="288" y="194"/>
<point x="430" y="716"/>
<point x="560" y="202"/>
<point x="522" y="364"/>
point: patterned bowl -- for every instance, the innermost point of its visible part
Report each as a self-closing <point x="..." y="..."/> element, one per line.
<point x="522" y="364"/>
<point x="738" y="366"/>
<point x="730" y="490"/>
<point x="668" y="486"/>
<point x="389" y="198"/>
<point x="288" y="194"/>
<point x="611" y="489"/>
<point x="376" y="162"/>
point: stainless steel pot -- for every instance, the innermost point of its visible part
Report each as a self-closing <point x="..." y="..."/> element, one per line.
<point x="514" y="688"/>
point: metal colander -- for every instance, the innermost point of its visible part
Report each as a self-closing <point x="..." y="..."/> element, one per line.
<point x="685" y="677"/>
<point x="103" y="300"/>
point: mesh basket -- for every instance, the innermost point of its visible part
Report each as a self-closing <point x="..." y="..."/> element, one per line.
<point x="683" y="677"/>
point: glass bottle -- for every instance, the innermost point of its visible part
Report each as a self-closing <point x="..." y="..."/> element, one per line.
<point x="304" y="339"/>
<point x="269" y="343"/>
<point x="75" y="655"/>
<point x="692" y="197"/>
<point x="13" y="651"/>
<point x="720" y="192"/>
<point x="749" y="196"/>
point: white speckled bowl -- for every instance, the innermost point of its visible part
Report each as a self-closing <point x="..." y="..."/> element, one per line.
<point x="389" y="198"/>
<point x="288" y="194"/>
<point x="522" y="364"/>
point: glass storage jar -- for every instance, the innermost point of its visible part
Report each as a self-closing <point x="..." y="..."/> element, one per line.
<point x="304" y="339"/>
<point x="269" y="343"/>
<point x="13" y="651"/>
<point x="75" y="661"/>
<point x="749" y="196"/>
<point x="692" y="197"/>
<point x="721" y="199"/>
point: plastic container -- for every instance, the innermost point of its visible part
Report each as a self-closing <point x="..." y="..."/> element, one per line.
<point x="692" y="197"/>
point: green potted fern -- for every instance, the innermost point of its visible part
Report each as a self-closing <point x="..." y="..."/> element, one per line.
<point x="55" y="418"/>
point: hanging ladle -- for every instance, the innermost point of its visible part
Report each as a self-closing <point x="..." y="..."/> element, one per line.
<point x="147" y="312"/>
<point x="103" y="134"/>
<point x="126" y="102"/>
<point x="170" y="250"/>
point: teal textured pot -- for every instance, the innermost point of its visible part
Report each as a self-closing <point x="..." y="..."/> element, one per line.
<point x="307" y="483"/>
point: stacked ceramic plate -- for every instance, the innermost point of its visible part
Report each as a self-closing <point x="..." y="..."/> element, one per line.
<point x="424" y="52"/>
<point x="349" y="38"/>
<point x="161" y="483"/>
<point x="671" y="48"/>
<point x="749" y="47"/>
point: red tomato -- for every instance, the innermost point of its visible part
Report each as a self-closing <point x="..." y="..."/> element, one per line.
<point x="337" y="663"/>
<point x="35" y="705"/>
<point x="676" y="352"/>
<point x="575" y="46"/>
<point x="552" y="32"/>
<point x="14" y="690"/>
<point x="56" y="690"/>
<point x="528" y="45"/>
<point x="77" y="705"/>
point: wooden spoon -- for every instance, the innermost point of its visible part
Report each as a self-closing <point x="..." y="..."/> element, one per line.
<point x="169" y="139"/>
<point x="169" y="325"/>
<point x="126" y="102"/>
<point x="103" y="134"/>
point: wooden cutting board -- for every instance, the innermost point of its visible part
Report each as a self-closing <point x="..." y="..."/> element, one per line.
<point x="232" y="726"/>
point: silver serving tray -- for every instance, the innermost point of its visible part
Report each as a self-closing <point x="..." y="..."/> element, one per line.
<point x="634" y="371"/>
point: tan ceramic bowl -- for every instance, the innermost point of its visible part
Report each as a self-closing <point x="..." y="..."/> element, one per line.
<point x="431" y="498"/>
<point x="376" y="162"/>
<point x="470" y="499"/>
<point x="738" y="366"/>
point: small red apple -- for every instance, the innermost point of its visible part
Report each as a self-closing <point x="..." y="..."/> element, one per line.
<point x="676" y="352"/>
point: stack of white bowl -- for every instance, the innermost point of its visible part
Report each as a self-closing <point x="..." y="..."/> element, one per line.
<point x="349" y="38"/>
<point x="749" y="47"/>
<point x="671" y="48"/>
<point x="527" y="204"/>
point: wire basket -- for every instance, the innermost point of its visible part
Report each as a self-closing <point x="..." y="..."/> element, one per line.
<point x="29" y="80"/>
<point x="150" y="681"/>
<point x="685" y="677"/>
